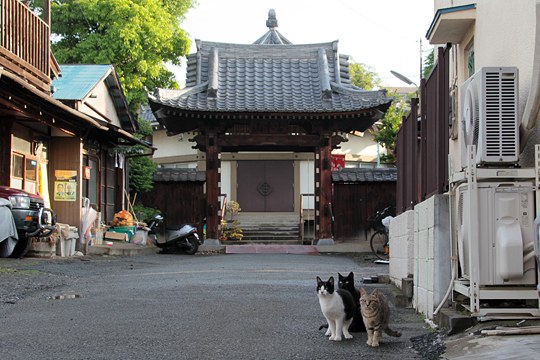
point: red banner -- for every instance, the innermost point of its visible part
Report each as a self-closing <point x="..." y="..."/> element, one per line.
<point x="338" y="162"/>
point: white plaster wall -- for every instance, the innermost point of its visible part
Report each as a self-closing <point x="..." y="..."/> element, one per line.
<point x="432" y="272"/>
<point x="103" y="103"/>
<point x="360" y="147"/>
<point x="169" y="146"/>
<point x="225" y="176"/>
<point x="307" y="183"/>
<point x="401" y="247"/>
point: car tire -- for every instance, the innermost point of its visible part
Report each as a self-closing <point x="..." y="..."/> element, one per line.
<point x="21" y="248"/>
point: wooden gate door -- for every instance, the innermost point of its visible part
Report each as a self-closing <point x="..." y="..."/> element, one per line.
<point x="266" y="186"/>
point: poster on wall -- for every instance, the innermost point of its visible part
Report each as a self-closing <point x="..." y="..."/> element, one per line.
<point x="65" y="185"/>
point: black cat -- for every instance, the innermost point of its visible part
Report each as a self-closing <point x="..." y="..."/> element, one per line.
<point x="347" y="283"/>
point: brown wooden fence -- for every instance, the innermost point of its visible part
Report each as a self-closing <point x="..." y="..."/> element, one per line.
<point x="422" y="141"/>
<point x="355" y="202"/>
<point x="181" y="201"/>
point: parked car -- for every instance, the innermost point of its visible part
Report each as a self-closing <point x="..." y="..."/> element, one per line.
<point x="31" y="217"/>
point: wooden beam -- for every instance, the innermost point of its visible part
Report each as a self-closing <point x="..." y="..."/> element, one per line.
<point x="212" y="188"/>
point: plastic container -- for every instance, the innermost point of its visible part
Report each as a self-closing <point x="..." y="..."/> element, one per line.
<point x="129" y="230"/>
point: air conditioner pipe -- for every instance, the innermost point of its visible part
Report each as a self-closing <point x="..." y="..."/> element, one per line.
<point x="532" y="107"/>
<point x="453" y="255"/>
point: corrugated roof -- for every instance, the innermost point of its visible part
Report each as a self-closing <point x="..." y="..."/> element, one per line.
<point x="364" y="175"/>
<point x="175" y="174"/>
<point x="77" y="81"/>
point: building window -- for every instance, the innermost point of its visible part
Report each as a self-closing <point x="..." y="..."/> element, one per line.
<point x="469" y="54"/>
<point x="108" y="187"/>
<point x="24" y="172"/>
<point x="90" y="184"/>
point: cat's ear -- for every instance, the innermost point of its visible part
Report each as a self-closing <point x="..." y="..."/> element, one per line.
<point x="340" y="276"/>
<point x="331" y="280"/>
<point x="351" y="275"/>
<point x="375" y="292"/>
<point x="363" y="292"/>
<point x="319" y="281"/>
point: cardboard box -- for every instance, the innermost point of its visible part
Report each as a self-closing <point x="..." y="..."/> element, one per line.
<point x="111" y="235"/>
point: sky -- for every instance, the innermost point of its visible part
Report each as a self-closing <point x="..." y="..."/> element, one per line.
<point x="383" y="34"/>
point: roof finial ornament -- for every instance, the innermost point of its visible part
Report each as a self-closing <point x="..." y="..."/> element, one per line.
<point x="271" y="23"/>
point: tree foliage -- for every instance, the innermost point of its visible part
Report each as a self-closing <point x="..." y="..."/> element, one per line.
<point x="136" y="36"/>
<point x="386" y="130"/>
<point x="429" y="62"/>
<point x="141" y="168"/>
<point x="363" y="76"/>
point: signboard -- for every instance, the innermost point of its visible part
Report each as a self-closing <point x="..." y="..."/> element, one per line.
<point x="65" y="185"/>
<point x="338" y="162"/>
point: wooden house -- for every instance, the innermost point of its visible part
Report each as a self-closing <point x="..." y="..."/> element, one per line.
<point x="49" y="137"/>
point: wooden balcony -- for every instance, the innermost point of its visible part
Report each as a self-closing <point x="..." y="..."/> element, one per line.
<point x="25" y="44"/>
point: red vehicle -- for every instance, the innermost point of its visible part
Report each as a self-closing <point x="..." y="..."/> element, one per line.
<point x="31" y="217"/>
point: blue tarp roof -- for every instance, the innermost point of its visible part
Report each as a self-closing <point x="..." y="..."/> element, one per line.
<point x="78" y="80"/>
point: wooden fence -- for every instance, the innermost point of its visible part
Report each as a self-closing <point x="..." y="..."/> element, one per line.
<point x="422" y="141"/>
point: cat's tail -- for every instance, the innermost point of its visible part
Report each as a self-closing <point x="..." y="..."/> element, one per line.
<point x="325" y="326"/>
<point x="391" y="332"/>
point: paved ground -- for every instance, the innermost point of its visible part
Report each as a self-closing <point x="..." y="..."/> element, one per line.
<point x="244" y="306"/>
<point x="117" y="286"/>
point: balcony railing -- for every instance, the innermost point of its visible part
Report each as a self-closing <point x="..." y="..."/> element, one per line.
<point x="25" y="43"/>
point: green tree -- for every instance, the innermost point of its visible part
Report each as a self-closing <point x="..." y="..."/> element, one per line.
<point x="363" y="76"/>
<point x="429" y="62"/>
<point x="141" y="167"/>
<point x="138" y="37"/>
<point x="386" y="130"/>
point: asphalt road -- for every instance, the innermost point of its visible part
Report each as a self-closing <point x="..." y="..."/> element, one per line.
<point x="260" y="306"/>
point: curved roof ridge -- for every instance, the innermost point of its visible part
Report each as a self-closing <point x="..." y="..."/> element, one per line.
<point x="272" y="36"/>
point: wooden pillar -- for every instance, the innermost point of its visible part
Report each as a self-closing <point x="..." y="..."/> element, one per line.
<point x="323" y="190"/>
<point x="6" y="128"/>
<point x="212" y="187"/>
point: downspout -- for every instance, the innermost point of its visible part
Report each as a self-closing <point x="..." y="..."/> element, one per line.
<point x="532" y="108"/>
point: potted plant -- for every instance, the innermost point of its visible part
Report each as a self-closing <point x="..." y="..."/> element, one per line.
<point x="230" y="229"/>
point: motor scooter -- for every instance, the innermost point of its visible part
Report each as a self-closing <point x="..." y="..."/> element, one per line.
<point x="177" y="239"/>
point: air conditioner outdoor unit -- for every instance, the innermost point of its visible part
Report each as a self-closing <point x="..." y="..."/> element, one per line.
<point x="489" y="108"/>
<point x="504" y="218"/>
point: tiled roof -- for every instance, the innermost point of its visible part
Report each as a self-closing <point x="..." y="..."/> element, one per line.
<point x="272" y="36"/>
<point x="175" y="174"/>
<point x="364" y="175"/>
<point x="268" y="77"/>
<point x="262" y="78"/>
<point x="343" y="175"/>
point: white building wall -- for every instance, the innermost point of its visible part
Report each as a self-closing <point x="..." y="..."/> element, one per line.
<point x="503" y="35"/>
<point x="307" y="183"/>
<point x="100" y="100"/>
<point x="420" y="245"/>
<point x="225" y="177"/>
<point x="360" y="148"/>
<point x="432" y="272"/>
<point x="170" y="147"/>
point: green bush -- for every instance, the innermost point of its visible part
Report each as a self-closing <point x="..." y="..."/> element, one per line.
<point x="144" y="213"/>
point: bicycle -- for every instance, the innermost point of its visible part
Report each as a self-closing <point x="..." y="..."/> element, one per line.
<point x="379" y="241"/>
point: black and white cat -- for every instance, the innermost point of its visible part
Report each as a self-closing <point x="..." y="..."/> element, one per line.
<point x="337" y="307"/>
<point x="347" y="283"/>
